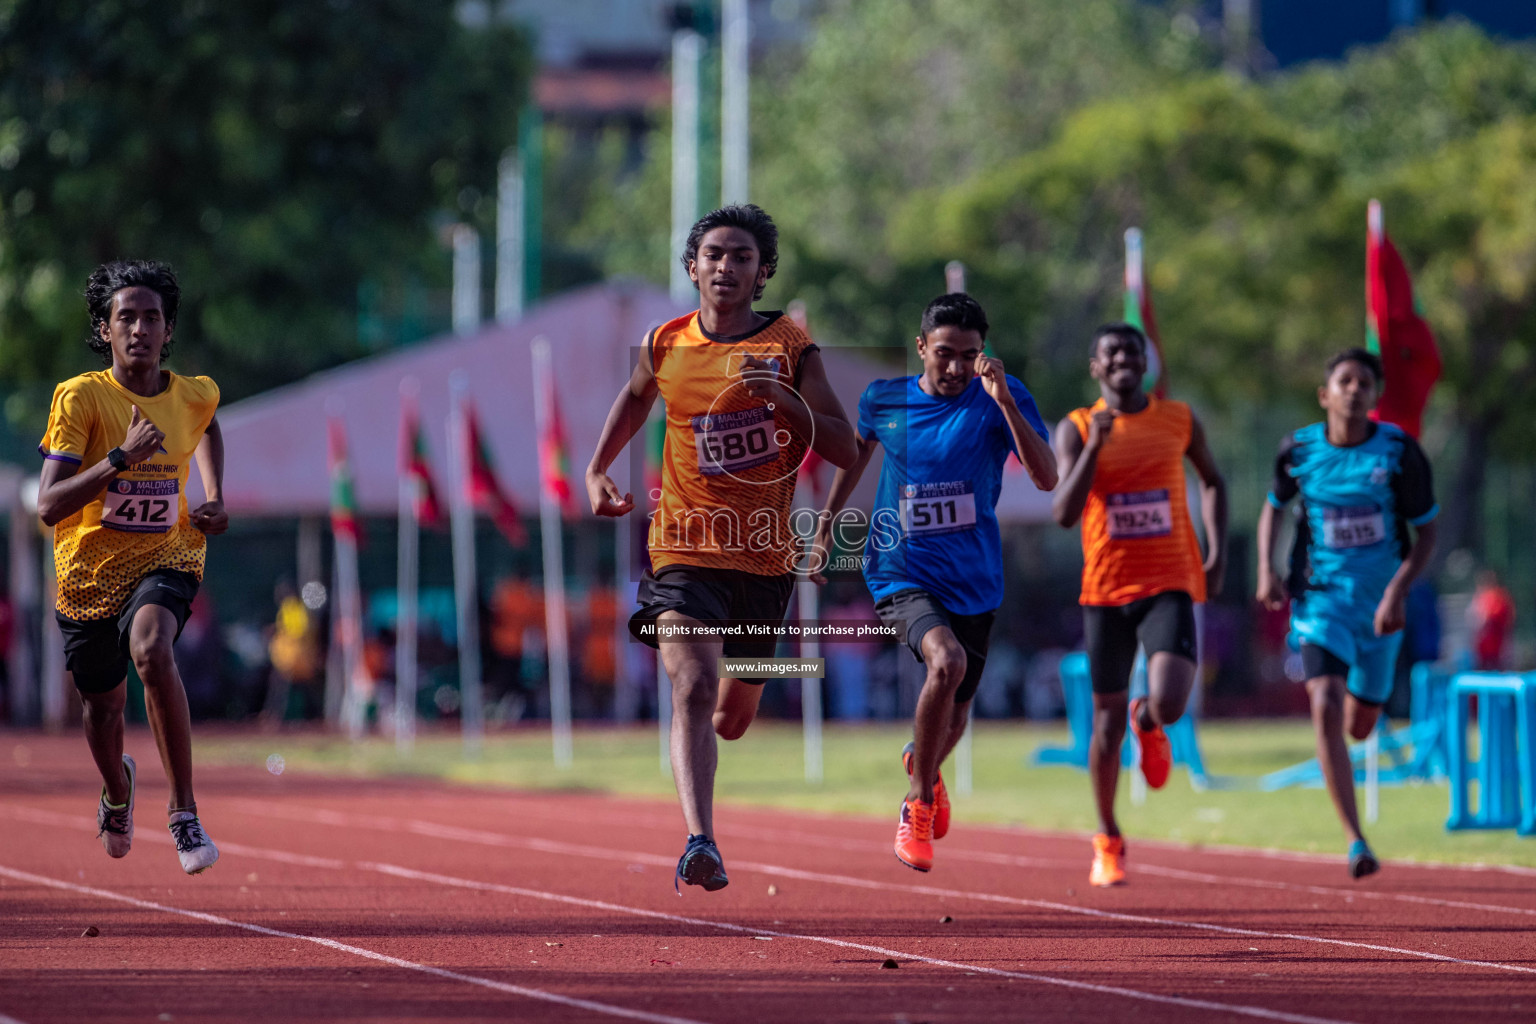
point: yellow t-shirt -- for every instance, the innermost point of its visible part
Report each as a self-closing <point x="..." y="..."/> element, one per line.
<point x="139" y="523"/>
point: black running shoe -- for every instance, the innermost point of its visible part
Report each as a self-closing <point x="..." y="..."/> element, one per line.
<point x="701" y="865"/>
<point x="1362" y="861"/>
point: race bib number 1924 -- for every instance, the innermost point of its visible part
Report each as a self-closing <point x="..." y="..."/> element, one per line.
<point x="1139" y="514"/>
<point x="141" y="506"/>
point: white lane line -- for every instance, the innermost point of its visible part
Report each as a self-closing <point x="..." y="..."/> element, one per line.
<point x="1083" y="986"/>
<point x="1014" y="860"/>
<point x="8" y="1020"/>
<point x="342" y="947"/>
<point x="458" y="834"/>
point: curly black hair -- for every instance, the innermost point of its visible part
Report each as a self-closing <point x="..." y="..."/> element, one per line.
<point x="748" y="217"/>
<point x="110" y="278"/>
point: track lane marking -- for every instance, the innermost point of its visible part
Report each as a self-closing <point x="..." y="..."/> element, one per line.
<point x="1014" y="860"/>
<point x="1259" y="1012"/>
<point x="460" y="834"/>
<point x="367" y="954"/>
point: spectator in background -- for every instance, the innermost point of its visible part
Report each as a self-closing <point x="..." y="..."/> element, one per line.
<point x="1421" y="642"/>
<point x="1490" y="620"/>
<point x="7" y="628"/>
<point x="294" y="649"/>
<point x="515" y="608"/>
<point x="198" y="657"/>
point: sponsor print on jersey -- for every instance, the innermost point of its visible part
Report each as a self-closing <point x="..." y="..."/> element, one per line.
<point x="729" y="442"/>
<point x="937" y="508"/>
<point x="1357" y="527"/>
<point x="140" y="506"/>
<point x="1137" y="514"/>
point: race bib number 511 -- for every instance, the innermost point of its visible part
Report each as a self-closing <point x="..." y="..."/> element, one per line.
<point x="140" y="506"/>
<point x="938" y="508"/>
<point x="729" y="442"/>
<point x="1139" y="514"/>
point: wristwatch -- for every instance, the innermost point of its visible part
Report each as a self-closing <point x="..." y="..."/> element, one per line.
<point x="118" y="458"/>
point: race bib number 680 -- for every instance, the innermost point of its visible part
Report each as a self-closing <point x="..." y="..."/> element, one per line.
<point x="141" y="506"/>
<point x="729" y="442"/>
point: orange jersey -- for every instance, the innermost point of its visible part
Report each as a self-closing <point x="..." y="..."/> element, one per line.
<point x="1138" y="539"/>
<point x="729" y="467"/>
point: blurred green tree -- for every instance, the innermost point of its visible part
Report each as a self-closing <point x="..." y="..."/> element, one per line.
<point x="282" y="155"/>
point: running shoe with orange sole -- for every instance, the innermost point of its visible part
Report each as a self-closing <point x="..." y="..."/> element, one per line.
<point x="940" y="794"/>
<point x="1108" y="861"/>
<point x="1156" y="751"/>
<point x="914" y="836"/>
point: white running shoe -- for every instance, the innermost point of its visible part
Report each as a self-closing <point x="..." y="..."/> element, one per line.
<point x="114" y="823"/>
<point x="193" y="846"/>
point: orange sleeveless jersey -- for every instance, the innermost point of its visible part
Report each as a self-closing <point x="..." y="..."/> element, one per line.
<point x="1138" y="539"/>
<point x="728" y="470"/>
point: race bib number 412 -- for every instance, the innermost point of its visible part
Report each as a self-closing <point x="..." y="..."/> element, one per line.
<point x="729" y="442"/>
<point x="1139" y="514"/>
<point x="1353" y="527"/>
<point x="141" y="506"/>
<point x="937" y="508"/>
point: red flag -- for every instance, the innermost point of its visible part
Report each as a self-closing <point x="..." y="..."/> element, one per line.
<point x="1138" y="311"/>
<point x="344" y="521"/>
<point x="485" y="491"/>
<point x="554" y="460"/>
<point x="413" y="464"/>
<point x="1410" y="359"/>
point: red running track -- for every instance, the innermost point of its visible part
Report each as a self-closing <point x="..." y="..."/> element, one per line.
<point x="406" y="901"/>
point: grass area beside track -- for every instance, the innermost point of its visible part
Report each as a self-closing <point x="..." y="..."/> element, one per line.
<point x="862" y="774"/>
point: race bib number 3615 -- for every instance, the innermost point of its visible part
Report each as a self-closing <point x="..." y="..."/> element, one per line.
<point x="1353" y="527"/>
<point x="1139" y="514"/>
<point x="938" y="508"/>
<point x="141" y="506"/>
<point x="729" y="442"/>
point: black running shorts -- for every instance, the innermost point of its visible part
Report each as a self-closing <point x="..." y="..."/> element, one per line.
<point x="1162" y="622"/>
<point x="723" y="596"/>
<point x="919" y="611"/>
<point x="96" y="650"/>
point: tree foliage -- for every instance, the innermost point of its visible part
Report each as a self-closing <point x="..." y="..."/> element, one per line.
<point x="278" y="154"/>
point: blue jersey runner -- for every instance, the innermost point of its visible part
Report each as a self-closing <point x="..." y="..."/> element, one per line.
<point x="934" y="524"/>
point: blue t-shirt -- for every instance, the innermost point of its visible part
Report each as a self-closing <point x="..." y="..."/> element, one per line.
<point x="1356" y="504"/>
<point x="934" y="524"/>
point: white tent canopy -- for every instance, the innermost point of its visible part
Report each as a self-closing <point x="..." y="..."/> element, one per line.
<point x="275" y="443"/>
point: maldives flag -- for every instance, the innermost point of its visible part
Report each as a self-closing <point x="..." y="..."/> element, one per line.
<point x="1138" y="311"/>
<point x="655" y="452"/>
<point x="413" y="465"/>
<point x="344" y="521"/>
<point x="554" y="457"/>
<point x="1410" y="359"/>
<point x="485" y="491"/>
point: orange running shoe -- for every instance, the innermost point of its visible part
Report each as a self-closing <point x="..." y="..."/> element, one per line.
<point x="940" y="794"/>
<point x="1156" y="751"/>
<point x="914" y="836"/>
<point x="1108" y="857"/>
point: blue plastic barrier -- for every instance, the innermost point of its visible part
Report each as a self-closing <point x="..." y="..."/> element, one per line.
<point x="1505" y="768"/>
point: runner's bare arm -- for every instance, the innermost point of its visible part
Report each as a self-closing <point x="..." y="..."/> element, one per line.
<point x="64" y="489"/>
<point x="625" y="419"/>
<point x="843" y="483"/>
<point x="1033" y="450"/>
<point x="1271" y="593"/>
<point x="1392" y="612"/>
<point x="811" y="411"/>
<point x="1075" y="465"/>
<point x="210" y="516"/>
<point x="1213" y="506"/>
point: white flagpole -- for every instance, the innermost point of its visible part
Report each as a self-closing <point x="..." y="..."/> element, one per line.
<point x="687" y="47"/>
<point x="465" y="586"/>
<point x="510" y="247"/>
<point x="555" y="624"/>
<point x="349" y="607"/>
<point x="406" y="589"/>
<point x="810" y="688"/>
<point x="963" y="759"/>
<point x="735" y="110"/>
